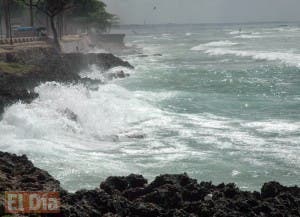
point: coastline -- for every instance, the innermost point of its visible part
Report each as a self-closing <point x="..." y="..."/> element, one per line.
<point x="24" y="69"/>
<point x="168" y="195"/>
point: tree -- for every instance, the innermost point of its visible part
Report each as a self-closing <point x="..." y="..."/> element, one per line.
<point x="51" y="8"/>
<point x="91" y="13"/>
<point x="6" y="9"/>
<point x="9" y="8"/>
<point x="31" y="12"/>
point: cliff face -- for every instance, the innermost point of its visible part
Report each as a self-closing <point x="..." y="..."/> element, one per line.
<point x="22" y="70"/>
<point x="166" y="196"/>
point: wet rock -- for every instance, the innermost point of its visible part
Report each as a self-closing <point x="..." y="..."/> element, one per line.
<point x="145" y="209"/>
<point x="114" y="183"/>
<point x="135" y="181"/>
<point x="122" y="183"/>
<point x="271" y="189"/>
<point x="136" y="136"/>
<point x="143" y="55"/>
<point x="133" y="193"/>
<point x="231" y="190"/>
<point x="115" y="75"/>
<point x="70" y="114"/>
<point x="106" y="61"/>
<point x="110" y="215"/>
<point x="167" y="196"/>
<point x="179" y="180"/>
<point x="120" y="74"/>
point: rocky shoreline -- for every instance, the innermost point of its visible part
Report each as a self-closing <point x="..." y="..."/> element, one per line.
<point x="166" y="196"/>
<point x="23" y="70"/>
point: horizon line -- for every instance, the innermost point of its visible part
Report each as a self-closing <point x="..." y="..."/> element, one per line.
<point x="209" y="23"/>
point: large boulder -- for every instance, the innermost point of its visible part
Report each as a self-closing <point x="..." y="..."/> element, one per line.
<point x="120" y="184"/>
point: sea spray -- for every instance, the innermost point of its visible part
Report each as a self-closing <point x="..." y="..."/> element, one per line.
<point x="229" y="117"/>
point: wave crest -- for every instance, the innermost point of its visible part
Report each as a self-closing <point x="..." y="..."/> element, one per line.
<point x="225" y="43"/>
<point x="287" y="58"/>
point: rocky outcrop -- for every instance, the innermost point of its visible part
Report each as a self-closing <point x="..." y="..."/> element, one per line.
<point x="79" y="61"/>
<point x="19" y="174"/>
<point x="166" y="196"/>
<point x="45" y="65"/>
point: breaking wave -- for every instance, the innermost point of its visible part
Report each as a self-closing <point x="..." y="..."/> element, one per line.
<point x="225" y="43"/>
<point x="287" y="58"/>
<point x="248" y="36"/>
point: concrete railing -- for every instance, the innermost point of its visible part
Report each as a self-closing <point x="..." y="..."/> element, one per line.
<point x="22" y="40"/>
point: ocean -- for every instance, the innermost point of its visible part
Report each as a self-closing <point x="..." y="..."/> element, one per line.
<point x="219" y="102"/>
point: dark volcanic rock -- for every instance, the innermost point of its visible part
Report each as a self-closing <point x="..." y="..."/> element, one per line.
<point x="271" y="189"/>
<point x="166" y="196"/>
<point x="118" y="74"/>
<point x="113" y="184"/>
<point x="18" y="173"/>
<point x="79" y="61"/>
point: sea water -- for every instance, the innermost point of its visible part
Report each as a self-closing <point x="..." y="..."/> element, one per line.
<point x="221" y="102"/>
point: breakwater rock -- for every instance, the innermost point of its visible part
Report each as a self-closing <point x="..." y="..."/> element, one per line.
<point x="166" y="196"/>
<point x="22" y="70"/>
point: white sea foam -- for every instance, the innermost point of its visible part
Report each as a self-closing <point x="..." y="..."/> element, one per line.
<point x="94" y="142"/>
<point x="275" y="126"/>
<point x="288" y="29"/>
<point x="47" y="115"/>
<point x="248" y="36"/>
<point x="237" y="32"/>
<point x="235" y="173"/>
<point x="70" y="124"/>
<point x="287" y="58"/>
<point x="213" y="44"/>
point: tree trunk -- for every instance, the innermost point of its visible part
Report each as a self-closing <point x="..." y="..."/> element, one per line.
<point x="47" y="23"/>
<point x="31" y="13"/>
<point x="6" y="18"/>
<point x="55" y="35"/>
<point x="60" y="25"/>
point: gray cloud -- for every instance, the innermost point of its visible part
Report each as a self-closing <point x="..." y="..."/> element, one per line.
<point x="204" y="11"/>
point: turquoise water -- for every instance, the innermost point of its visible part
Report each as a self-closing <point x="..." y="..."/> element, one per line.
<point x="235" y="94"/>
<point x="220" y="104"/>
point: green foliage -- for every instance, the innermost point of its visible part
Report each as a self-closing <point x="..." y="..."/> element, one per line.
<point x="50" y="7"/>
<point x="85" y="13"/>
<point x="16" y="8"/>
<point x="91" y="13"/>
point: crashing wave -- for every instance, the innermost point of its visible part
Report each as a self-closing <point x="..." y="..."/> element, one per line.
<point x="225" y="43"/>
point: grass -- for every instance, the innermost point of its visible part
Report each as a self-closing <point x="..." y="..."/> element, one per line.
<point x="15" y="68"/>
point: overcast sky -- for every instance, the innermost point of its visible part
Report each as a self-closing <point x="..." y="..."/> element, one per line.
<point x="204" y="11"/>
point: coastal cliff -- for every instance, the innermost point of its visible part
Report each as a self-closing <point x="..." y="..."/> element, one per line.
<point x="166" y="196"/>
